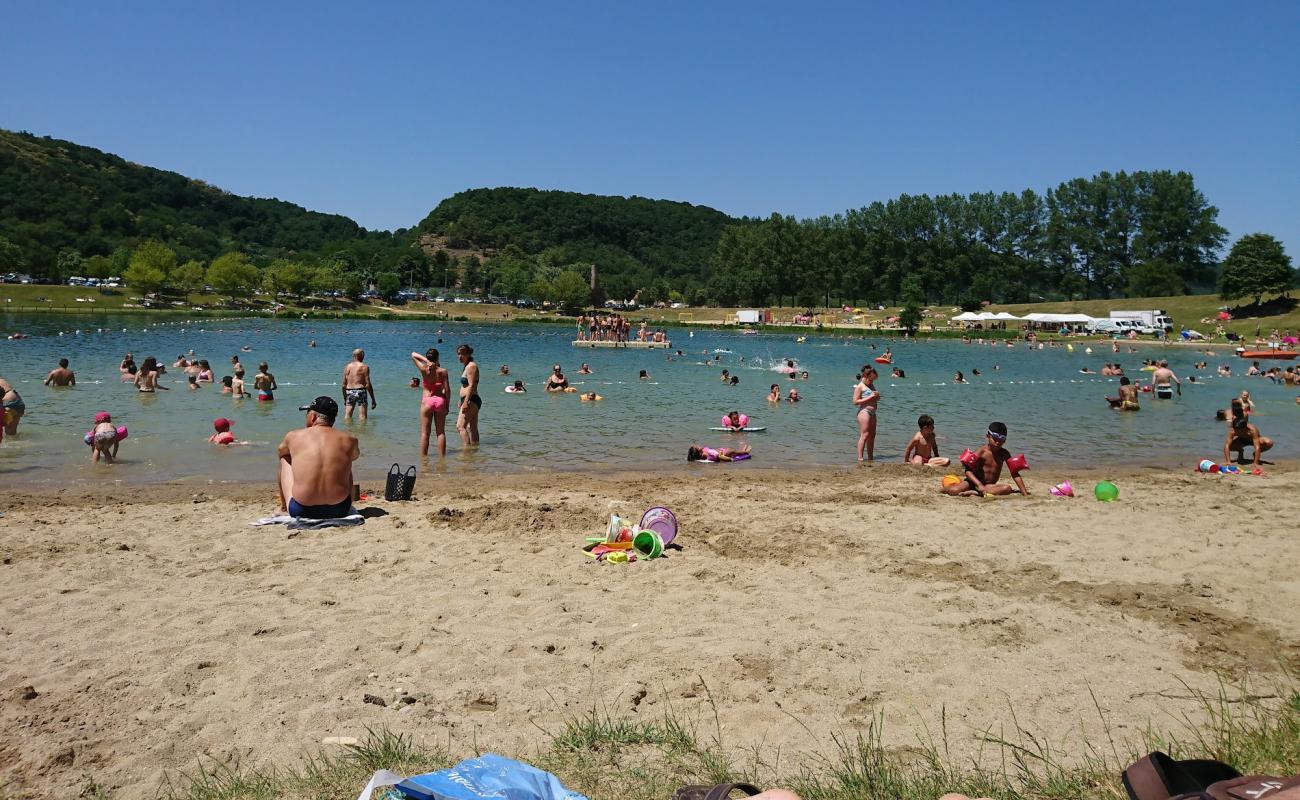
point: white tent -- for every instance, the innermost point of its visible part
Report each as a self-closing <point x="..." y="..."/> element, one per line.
<point x="1006" y="316"/>
<point x="967" y="316"/>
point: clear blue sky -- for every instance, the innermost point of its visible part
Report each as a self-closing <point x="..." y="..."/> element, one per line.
<point x="379" y="110"/>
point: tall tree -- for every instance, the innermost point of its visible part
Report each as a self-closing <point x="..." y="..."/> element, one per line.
<point x="189" y="277"/>
<point x="150" y="264"/>
<point x="1257" y="265"/>
<point x="232" y="274"/>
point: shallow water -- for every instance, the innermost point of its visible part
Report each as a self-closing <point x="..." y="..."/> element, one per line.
<point x="1055" y="414"/>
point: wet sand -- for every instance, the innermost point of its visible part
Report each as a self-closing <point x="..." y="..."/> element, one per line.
<point x="141" y="631"/>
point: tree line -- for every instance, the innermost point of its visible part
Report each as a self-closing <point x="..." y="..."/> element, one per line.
<point x="66" y="209"/>
<point x="1141" y="233"/>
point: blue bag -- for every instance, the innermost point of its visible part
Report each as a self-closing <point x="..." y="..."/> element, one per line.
<point x="489" y="776"/>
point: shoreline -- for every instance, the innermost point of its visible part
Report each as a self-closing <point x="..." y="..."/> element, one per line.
<point x="864" y="593"/>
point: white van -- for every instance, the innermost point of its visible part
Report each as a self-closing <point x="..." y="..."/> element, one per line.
<point x="1109" y="327"/>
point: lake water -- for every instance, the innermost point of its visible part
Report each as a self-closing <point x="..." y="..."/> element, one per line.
<point x="1056" y="415"/>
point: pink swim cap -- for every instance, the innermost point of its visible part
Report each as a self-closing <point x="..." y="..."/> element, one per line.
<point x="103" y="416"/>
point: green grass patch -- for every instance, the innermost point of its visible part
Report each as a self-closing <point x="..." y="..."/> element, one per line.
<point x="641" y="757"/>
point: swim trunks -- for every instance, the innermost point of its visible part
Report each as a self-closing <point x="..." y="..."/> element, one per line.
<point x="264" y="396"/>
<point x="353" y="397"/>
<point x="1165" y="392"/>
<point x="330" y="511"/>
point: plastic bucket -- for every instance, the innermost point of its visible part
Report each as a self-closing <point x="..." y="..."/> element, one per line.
<point x="648" y="544"/>
<point x="661" y="521"/>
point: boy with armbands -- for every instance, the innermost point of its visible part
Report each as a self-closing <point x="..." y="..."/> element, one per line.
<point x="984" y="467"/>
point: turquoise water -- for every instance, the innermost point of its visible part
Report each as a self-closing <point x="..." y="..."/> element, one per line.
<point x="1056" y="415"/>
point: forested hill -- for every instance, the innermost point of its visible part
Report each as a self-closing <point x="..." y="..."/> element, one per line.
<point x="58" y="197"/>
<point x="633" y="240"/>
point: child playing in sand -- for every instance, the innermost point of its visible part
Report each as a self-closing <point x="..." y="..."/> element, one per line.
<point x="103" y="438"/>
<point x="984" y="469"/>
<point x="923" y="450"/>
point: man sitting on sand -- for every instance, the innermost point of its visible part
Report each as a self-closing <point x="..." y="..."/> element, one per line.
<point x="61" y="375"/>
<point x="316" y="465"/>
<point x="983" y="471"/>
<point x="923" y="450"/>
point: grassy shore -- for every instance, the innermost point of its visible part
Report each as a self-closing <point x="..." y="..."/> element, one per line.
<point x="1186" y="310"/>
<point x="634" y="758"/>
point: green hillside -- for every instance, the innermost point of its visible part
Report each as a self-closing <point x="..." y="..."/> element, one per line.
<point x="58" y="197"/>
<point x="633" y="240"/>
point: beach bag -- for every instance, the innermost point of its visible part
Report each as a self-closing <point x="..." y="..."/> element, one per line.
<point x="1159" y="777"/>
<point x="400" y="484"/>
<point x="488" y="776"/>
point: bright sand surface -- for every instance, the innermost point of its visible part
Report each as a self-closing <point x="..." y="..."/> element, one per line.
<point x="155" y="626"/>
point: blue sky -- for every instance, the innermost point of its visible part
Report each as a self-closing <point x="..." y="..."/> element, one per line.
<point x="379" y="110"/>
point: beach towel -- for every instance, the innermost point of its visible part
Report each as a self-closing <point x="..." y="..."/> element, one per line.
<point x="304" y="524"/>
<point x="488" y="776"/>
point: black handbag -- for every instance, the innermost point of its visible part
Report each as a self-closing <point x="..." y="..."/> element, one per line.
<point x="400" y="484"/>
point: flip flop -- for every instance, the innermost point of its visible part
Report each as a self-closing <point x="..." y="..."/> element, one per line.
<point x="722" y="791"/>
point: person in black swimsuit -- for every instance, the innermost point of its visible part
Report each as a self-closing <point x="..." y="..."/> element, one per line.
<point x="470" y="401"/>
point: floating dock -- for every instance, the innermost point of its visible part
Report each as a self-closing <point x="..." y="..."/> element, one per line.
<point x="624" y="345"/>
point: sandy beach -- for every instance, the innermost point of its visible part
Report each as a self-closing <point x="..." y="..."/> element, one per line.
<point x="146" y="629"/>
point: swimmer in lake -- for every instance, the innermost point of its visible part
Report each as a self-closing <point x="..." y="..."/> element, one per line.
<point x="897" y="373"/>
<point x="774" y="394"/>
<point x="735" y="380"/>
<point x="803" y="376"/>
<point x="923" y="449"/>
<point x="61" y="375"/>
<point x="1163" y="381"/>
<point x="1128" y="396"/>
<point x="591" y="397"/>
<point x="726" y="376"/>
<point x="556" y="382"/>
<point x="586" y="370"/>
<point x="517" y="388"/>
<point x="264" y="383"/>
<point x="959" y="378"/>
<point x="645" y="376"/>
<point x="470" y="401"/>
<point x="505" y="369"/>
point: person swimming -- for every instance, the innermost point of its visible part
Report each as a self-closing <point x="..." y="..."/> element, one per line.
<point x="591" y="397"/>
<point x="517" y="388"/>
<point x="556" y="382"/>
<point x="774" y="394"/>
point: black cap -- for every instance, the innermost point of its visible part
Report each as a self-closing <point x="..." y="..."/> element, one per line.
<point x="325" y="406"/>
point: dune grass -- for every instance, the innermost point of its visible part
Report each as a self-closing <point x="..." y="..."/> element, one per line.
<point x="630" y="757"/>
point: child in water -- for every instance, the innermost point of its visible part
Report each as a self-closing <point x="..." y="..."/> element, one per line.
<point x="104" y="438"/>
<point x="774" y="394"/>
<point x="923" y="450"/>
<point x="223" y="436"/>
<point x="983" y="471"/>
<point x="698" y="452"/>
<point x="734" y="422"/>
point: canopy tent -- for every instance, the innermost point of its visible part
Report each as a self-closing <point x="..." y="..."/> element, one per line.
<point x="967" y="316"/>
<point x="1004" y="315"/>
<point x="1055" y="318"/>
